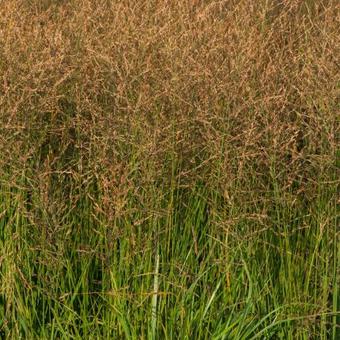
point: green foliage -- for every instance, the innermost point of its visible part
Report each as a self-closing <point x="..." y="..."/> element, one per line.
<point x="89" y="277"/>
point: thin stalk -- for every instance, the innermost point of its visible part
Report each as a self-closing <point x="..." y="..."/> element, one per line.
<point x="155" y="294"/>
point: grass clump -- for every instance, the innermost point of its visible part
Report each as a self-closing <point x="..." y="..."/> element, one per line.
<point x="169" y="170"/>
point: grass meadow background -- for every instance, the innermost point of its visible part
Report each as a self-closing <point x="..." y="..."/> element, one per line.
<point x="169" y="169"/>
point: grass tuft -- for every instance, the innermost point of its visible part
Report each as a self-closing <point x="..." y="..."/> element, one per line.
<point x="169" y="169"/>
